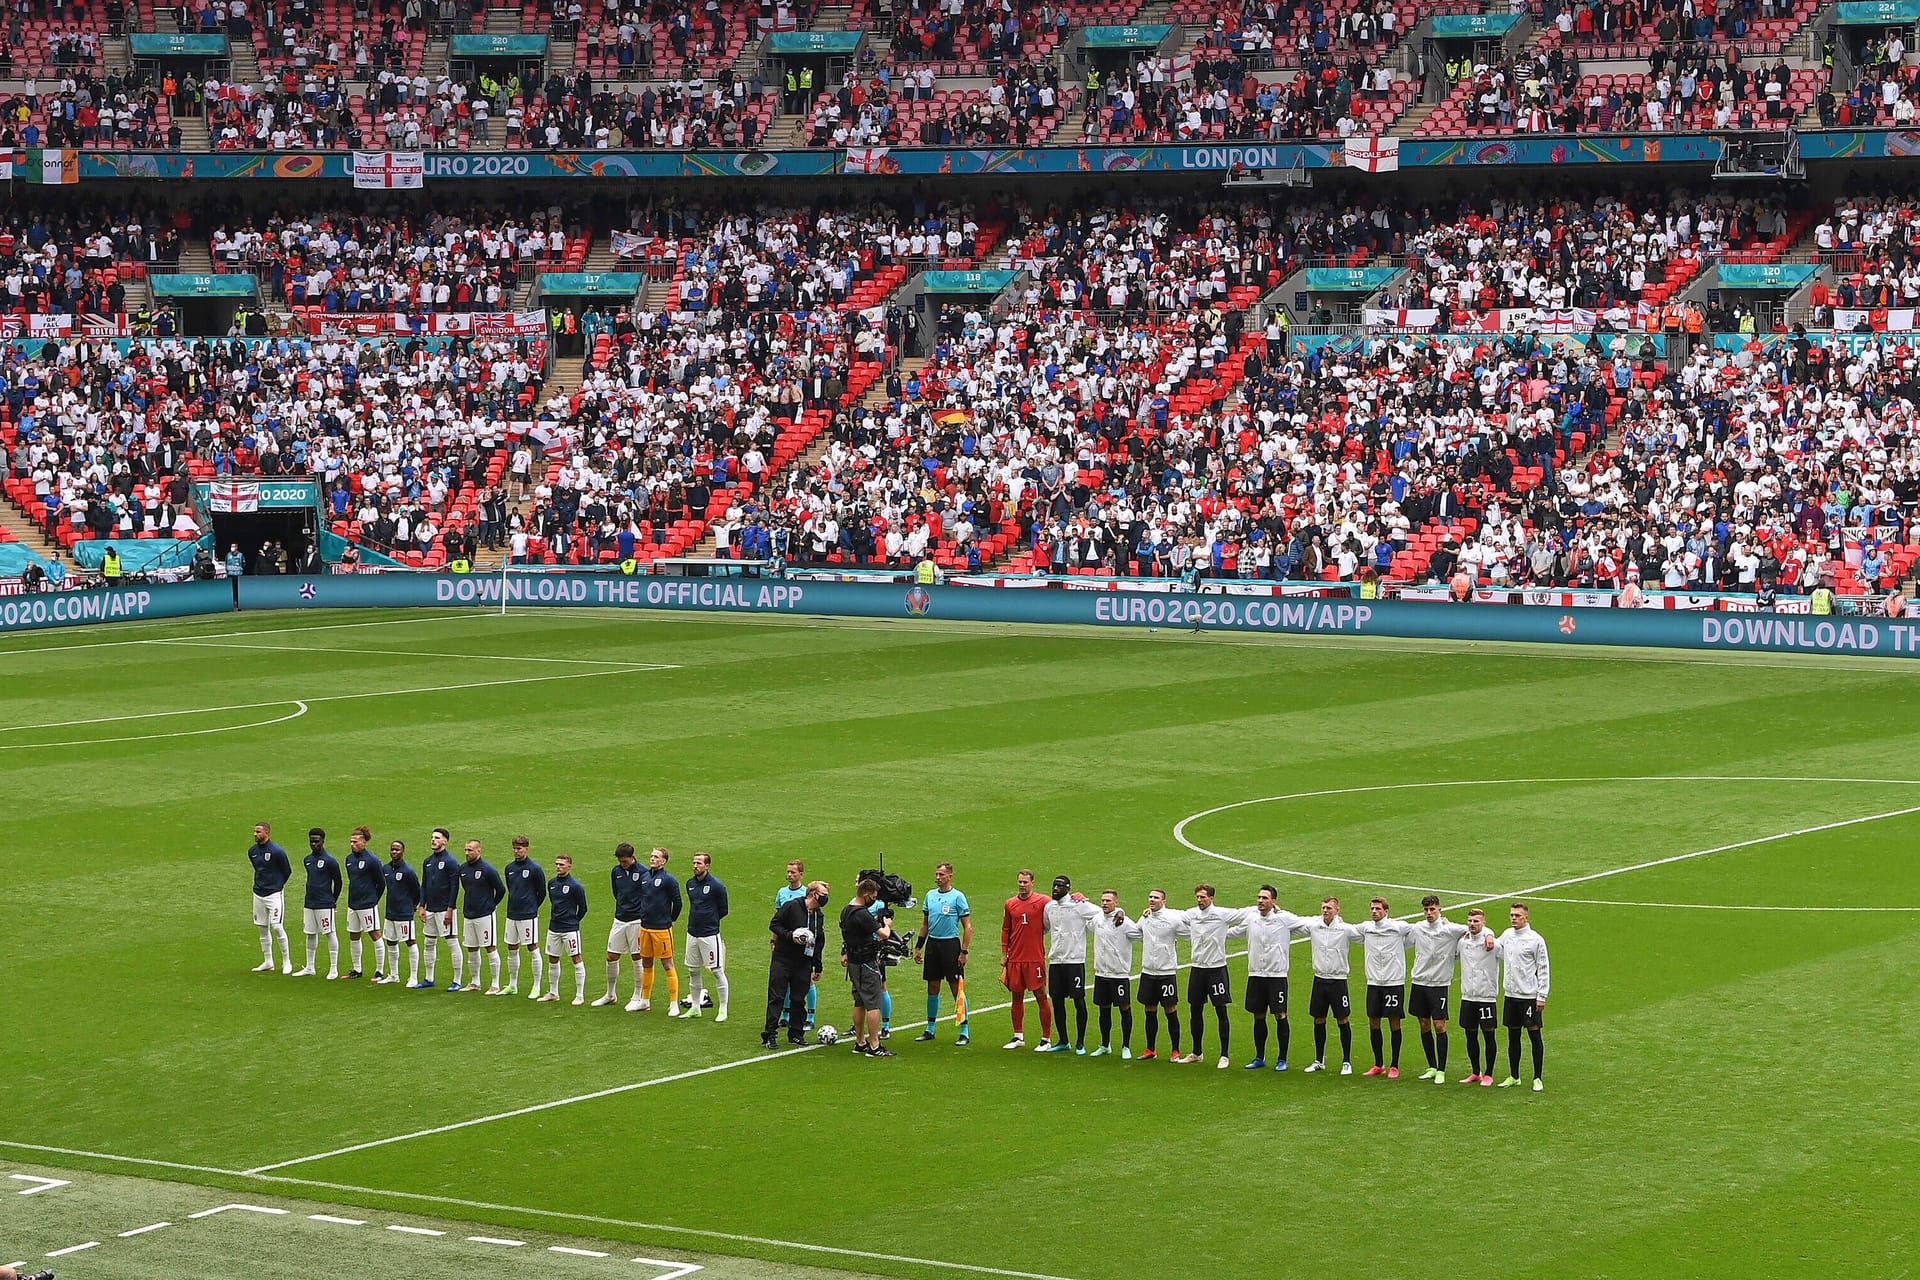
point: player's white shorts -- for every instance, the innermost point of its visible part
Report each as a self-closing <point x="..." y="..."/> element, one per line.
<point x="523" y="933"/>
<point x="563" y="944"/>
<point x="317" y="921"/>
<point x="269" y="908"/>
<point x="367" y="921"/>
<point x="436" y="926"/>
<point x="624" y="938"/>
<point x="476" y="932"/>
<point x="397" y="930"/>
<point x="709" y="953"/>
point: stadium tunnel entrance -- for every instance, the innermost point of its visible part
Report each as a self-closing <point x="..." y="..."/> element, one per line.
<point x="289" y="529"/>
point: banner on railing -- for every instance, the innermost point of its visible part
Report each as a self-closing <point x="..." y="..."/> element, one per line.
<point x="64" y="326"/>
<point x="1879" y="319"/>
<point x="1375" y="155"/>
<point x="628" y="244"/>
<point x="1403" y="318"/>
<point x="389" y="170"/>
<point x="477" y="324"/>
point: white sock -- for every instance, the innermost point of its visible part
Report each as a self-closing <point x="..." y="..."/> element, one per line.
<point x="379" y="957"/>
<point x="266" y="942"/>
<point x="453" y="950"/>
<point x="613" y="979"/>
<point x="513" y="969"/>
<point x="433" y="954"/>
<point x="313" y="947"/>
<point x="693" y="987"/>
<point x="353" y="950"/>
<point x="286" y="944"/>
<point x="537" y="970"/>
<point x="473" y="960"/>
<point x="333" y="953"/>
<point x="413" y="962"/>
<point x="496" y="968"/>
<point x="579" y="978"/>
<point x="720" y="980"/>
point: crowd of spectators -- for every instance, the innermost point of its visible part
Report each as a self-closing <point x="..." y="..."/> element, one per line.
<point x="1020" y="108"/>
<point x="394" y="260"/>
<point x="1695" y="88"/>
<point x="1220" y="98"/>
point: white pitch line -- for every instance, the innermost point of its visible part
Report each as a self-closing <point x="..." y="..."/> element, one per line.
<point x="300" y="709"/>
<point x="330" y="697"/>
<point x="577" y="1253"/>
<point x="674" y="1270"/>
<point x="421" y="653"/>
<point x="140" y="1231"/>
<point x="1387" y="646"/>
<point x="46" y="1184"/>
<point x="511" y="1244"/>
<point x="114" y="1159"/>
<point x="240" y="1208"/>
<point x="223" y="635"/>
<point x="414" y="1231"/>
<point x="344" y="1222"/>
<point x="1180" y="827"/>
<point x="74" y="1248"/>
<point x="1722" y="906"/>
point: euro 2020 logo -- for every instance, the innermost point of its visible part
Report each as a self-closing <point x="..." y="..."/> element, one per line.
<point x="919" y="601"/>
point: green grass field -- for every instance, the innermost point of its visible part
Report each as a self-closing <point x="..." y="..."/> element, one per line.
<point x="1725" y="1043"/>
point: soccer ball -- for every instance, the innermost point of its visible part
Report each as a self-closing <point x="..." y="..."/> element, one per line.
<point x="827" y="1035"/>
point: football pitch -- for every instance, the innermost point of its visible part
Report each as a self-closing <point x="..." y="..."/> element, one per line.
<point x="1718" y="850"/>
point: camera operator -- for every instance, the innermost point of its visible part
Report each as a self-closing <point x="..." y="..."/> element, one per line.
<point x="862" y="933"/>
<point x="797" y="947"/>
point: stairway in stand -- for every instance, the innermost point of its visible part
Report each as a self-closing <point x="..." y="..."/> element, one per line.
<point x="245" y="62"/>
<point x="503" y="22"/>
<point x="29" y="535"/>
<point x="1415" y="117"/>
<point x="196" y="257"/>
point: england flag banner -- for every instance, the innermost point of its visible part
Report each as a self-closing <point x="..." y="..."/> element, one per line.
<point x="389" y="170"/>
<point x="232" y="496"/>
<point x="1375" y="155"/>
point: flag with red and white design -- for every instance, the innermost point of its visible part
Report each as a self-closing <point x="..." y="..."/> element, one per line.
<point x="231" y="496"/>
<point x="1375" y="155"/>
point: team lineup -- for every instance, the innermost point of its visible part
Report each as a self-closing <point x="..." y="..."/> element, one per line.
<point x="1044" y="943"/>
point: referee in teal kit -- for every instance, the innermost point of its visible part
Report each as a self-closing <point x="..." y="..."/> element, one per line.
<point x="946" y="932"/>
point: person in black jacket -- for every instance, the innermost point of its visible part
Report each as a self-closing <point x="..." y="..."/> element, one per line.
<point x="797" y="943"/>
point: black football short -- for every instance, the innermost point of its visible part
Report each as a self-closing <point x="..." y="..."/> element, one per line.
<point x="1331" y="998"/>
<point x="1522" y="1012"/>
<point x="1267" y="995"/>
<point x="1429" y="1003"/>
<point x="1158" y="990"/>
<point x="1110" y="993"/>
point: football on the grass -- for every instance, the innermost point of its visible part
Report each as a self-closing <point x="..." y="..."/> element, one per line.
<point x="827" y="1035"/>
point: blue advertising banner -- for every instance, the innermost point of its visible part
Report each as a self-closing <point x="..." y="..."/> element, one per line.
<point x="1878" y="13"/>
<point x="840" y="42"/>
<point x="1454" y="26"/>
<point x="233" y="285"/>
<point x="1754" y="632"/>
<point x="1350" y="279"/>
<point x="1147" y="37"/>
<point x="966" y="281"/>
<point x="1766" y="275"/>
<point x="485" y="46"/>
<point x="116" y="604"/>
<point x="146" y="44"/>
<point x="592" y="284"/>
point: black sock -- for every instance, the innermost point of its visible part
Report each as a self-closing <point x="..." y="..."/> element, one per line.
<point x="1126" y="1026"/>
<point x="1197" y="1020"/>
<point x="1080" y="1023"/>
<point x="1226" y="1029"/>
<point x="1539" y="1051"/>
<point x="1106" y="1026"/>
<point x="1513" y="1052"/>
<point x="1394" y="1040"/>
<point x="1346" y="1042"/>
<point x="1473" y="1052"/>
<point x="1173" y="1030"/>
<point x="1426" y="1044"/>
<point x="1486" y="1035"/>
<point x="1379" y="1055"/>
<point x="1153" y="1027"/>
<point x="1440" y="1050"/>
<point x="1319" y="1042"/>
<point x="1281" y="1034"/>
<point x="1259" y="1037"/>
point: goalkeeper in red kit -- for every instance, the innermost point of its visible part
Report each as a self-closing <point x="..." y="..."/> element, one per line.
<point x="1023" y="959"/>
